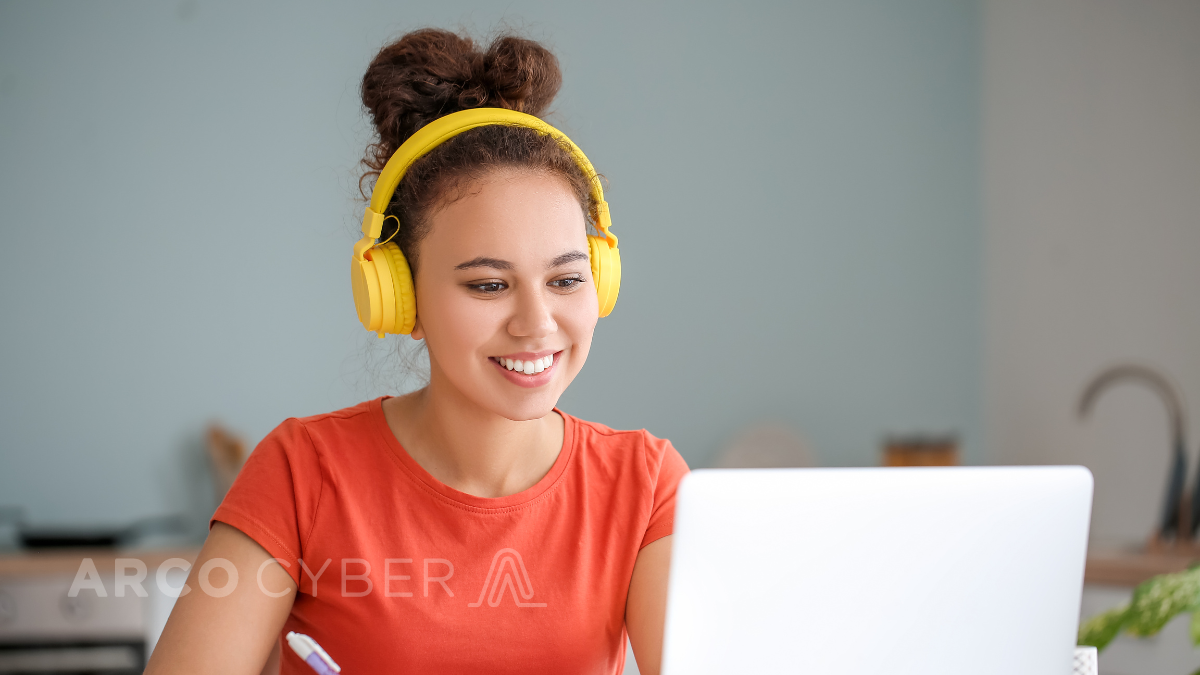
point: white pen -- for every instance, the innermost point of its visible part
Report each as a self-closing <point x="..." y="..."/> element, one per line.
<point x="311" y="653"/>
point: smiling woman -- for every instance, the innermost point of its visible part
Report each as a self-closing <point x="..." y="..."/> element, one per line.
<point x="475" y="526"/>
<point x="526" y="232"/>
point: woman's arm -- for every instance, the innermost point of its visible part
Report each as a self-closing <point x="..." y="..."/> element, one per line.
<point x="646" y="608"/>
<point x="230" y="635"/>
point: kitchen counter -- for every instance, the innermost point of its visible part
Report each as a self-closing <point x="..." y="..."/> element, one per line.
<point x="40" y="619"/>
<point x="1106" y="568"/>
<point x="66" y="561"/>
<point x="1130" y="568"/>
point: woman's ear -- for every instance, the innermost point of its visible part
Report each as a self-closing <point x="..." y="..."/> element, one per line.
<point x="417" y="333"/>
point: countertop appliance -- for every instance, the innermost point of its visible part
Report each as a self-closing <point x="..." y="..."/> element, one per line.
<point x="44" y="630"/>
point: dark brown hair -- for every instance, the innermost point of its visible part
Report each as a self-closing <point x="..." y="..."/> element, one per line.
<point x="429" y="73"/>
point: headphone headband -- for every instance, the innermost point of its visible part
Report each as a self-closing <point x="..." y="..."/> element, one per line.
<point x="384" y="295"/>
<point x="443" y="129"/>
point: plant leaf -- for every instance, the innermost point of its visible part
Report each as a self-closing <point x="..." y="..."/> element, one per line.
<point x="1100" y="630"/>
<point x="1195" y="627"/>
<point x="1158" y="600"/>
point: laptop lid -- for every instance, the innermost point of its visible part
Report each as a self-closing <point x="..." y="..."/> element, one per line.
<point x="963" y="571"/>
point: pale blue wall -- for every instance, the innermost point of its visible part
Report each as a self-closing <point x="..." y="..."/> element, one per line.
<point x="795" y="185"/>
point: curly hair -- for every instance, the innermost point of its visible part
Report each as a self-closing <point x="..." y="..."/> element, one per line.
<point x="429" y="73"/>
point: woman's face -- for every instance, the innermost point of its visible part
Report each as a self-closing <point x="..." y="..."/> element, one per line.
<point x="503" y="275"/>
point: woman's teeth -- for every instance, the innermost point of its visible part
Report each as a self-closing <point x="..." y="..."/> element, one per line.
<point x="527" y="367"/>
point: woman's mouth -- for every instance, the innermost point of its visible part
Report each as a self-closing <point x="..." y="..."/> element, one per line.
<point x="530" y="367"/>
<point x="527" y="369"/>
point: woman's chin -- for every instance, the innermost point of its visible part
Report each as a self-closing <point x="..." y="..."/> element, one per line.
<point x="535" y="408"/>
<point x="521" y="405"/>
<point x="495" y="391"/>
<point x="520" y="397"/>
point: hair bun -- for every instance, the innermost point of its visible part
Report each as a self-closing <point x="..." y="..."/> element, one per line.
<point x="519" y="74"/>
<point x="432" y="72"/>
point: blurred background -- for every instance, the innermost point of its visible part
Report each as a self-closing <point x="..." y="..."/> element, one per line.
<point x="845" y="225"/>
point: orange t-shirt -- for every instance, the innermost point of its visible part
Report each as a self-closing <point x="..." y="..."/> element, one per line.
<point x="413" y="576"/>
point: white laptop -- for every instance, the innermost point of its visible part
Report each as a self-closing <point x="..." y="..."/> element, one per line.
<point x="930" y="571"/>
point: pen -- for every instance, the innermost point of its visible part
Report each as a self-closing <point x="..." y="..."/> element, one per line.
<point x="312" y="654"/>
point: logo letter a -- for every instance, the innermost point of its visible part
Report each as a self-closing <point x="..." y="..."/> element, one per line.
<point x="507" y="572"/>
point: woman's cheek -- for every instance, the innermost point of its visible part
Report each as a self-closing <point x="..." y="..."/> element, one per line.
<point x="449" y="326"/>
<point x="473" y="324"/>
<point x="580" y="324"/>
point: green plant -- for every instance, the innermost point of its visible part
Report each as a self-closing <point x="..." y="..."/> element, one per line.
<point x="1154" y="603"/>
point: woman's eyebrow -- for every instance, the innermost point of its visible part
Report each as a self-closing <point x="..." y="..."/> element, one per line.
<point x="483" y="261"/>
<point x="565" y="258"/>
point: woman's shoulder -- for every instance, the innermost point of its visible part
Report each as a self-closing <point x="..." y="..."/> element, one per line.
<point x="602" y="433"/>
<point x="309" y="443"/>
<point x="359" y="410"/>
<point x="600" y="441"/>
<point x="352" y="420"/>
<point x="275" y="496"/>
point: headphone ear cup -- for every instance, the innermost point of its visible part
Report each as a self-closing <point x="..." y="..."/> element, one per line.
<point x="612" y="279"/>
<point x="364" y="281"/>
<point x="594" y="247"/>
<point x="606" y="272"/>
<point x="404" y="297"/>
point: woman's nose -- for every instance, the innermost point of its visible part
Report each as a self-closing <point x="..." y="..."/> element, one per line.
<point x="532" y="317"/>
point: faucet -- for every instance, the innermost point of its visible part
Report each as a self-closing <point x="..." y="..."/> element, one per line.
<point x="1173" y="508"/>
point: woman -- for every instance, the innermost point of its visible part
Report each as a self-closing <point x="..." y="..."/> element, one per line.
<point x="469" y="526"/>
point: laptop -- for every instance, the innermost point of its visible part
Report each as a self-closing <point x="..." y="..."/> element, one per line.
<point x="936" y="571"/>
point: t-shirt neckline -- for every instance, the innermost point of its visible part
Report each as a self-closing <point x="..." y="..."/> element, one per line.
<point x="417" y="472"/>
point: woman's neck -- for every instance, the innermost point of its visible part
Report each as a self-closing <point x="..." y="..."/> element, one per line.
<point x="471" y="449"/>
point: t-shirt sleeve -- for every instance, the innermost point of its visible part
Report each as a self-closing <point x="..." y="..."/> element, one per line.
<point x="667" y="467"/>
<point x="275" y="496"/>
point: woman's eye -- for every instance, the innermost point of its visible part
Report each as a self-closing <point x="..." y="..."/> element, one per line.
<point x="570" y="282"/>
<point x="488" y="287"/>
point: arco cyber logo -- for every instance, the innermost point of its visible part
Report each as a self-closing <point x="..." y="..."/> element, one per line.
<point x="507" y="571"/>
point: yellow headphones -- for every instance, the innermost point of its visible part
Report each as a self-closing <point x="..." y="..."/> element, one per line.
<point x="379" y="274"/>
